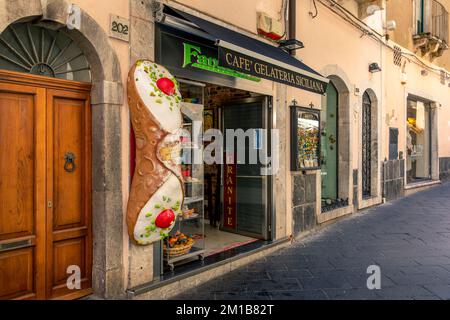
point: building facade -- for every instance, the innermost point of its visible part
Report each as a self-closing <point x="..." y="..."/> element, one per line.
<point x="378" y="130"/>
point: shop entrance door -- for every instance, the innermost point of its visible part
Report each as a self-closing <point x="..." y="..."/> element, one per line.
<point x="329" y="146"/>
<point x="45" y="187"/>
<point x="245" y="191"/>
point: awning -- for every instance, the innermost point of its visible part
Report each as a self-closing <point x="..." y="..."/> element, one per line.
<point x="248" y="55"/>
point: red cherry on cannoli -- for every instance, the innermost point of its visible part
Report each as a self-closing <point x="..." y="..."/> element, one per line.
<point x="166" y="85"/>
<point x="165" y="219"/>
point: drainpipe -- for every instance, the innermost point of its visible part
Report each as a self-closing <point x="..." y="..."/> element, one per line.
<point x="291" y="35"/>
<point x="292" y="21"/>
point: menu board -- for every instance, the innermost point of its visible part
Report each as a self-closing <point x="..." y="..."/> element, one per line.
<point x="305" y="138"/>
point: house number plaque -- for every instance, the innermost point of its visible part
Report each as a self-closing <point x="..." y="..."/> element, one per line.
<point x="119" y="28"/>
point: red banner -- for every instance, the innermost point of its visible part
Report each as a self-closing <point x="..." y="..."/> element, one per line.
<point x="229" y="197"/>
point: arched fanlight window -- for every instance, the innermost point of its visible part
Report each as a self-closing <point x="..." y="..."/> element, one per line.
<point x="33" y="49"/>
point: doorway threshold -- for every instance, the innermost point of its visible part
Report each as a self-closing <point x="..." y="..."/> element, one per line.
<point x="196" y="267"/>
<point x="423" y="183"/>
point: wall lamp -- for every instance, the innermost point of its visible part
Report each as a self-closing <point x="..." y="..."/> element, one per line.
<point x="374" y="67"/>
<point x="290" y="45"/>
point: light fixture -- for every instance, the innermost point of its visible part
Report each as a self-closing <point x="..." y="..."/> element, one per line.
<point x="374" y="67"/>
<point x="290" y="45"/>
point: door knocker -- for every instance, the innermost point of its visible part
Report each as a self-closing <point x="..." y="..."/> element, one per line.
<point x="69" y="164"/>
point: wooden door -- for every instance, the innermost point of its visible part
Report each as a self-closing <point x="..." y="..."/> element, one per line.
<point x="45" y="200"/>
<point x="68" y="191"/>
<point x="22" y="192"/>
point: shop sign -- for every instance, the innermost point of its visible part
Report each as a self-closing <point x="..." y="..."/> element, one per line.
<point x="193" y="57"/>
<point x="252" y="66"/>
<point x="229" y="190"/>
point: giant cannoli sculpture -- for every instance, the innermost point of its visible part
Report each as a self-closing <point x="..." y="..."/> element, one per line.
<point x="156" y="195"/>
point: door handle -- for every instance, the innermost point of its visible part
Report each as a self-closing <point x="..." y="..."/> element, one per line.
<point x="69" y="164"/>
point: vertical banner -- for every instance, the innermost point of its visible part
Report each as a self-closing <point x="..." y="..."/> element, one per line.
<point x="229" y="190"/>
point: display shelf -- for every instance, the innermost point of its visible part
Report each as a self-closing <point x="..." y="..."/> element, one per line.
<point x="190" y="228"/>
<point x="193" y="217"/>
<point x="193" y="182"/>
<point x="190" y="104"/>
<point x="189" y="200"/>
<point x="195" y="252"/>
<point x="190" y="145"/>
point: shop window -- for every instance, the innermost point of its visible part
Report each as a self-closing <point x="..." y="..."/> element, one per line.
<point x="305" y="138"/>
<point x="418" y="141"/>
<point x="28" y="48"/>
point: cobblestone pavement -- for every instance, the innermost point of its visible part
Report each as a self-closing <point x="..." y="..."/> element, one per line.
<point x="409" y="239"/>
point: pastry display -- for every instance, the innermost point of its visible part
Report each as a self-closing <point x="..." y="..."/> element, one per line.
<point x="178" y="244"/>
<point x="156" y="195"/>
<point x="188" y="213"/>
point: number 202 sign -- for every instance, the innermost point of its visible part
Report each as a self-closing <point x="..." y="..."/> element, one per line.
<point x="119" y="28"/>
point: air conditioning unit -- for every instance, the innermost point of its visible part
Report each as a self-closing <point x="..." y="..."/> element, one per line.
<point x="269" y="27"/>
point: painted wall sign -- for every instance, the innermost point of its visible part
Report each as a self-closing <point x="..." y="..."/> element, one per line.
<point x="119" y="28"/>
<point x="249" y="65"/>
<point x="229" y="194"/>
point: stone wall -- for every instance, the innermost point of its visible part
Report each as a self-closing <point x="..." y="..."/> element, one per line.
<point x="393" y="178"/>
<point x="444" y="168"/>
<point x="304" y="202"/>
<point x="141" y="258"/>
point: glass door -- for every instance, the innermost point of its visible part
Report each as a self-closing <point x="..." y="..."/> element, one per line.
<point x="245" y="191"/>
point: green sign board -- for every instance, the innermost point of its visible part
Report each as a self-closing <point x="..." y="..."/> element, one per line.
<point x="193" y="57"/>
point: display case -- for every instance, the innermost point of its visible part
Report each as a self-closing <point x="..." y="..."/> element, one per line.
<point x="186" y="241"/>
<point x="305" y="138"/>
